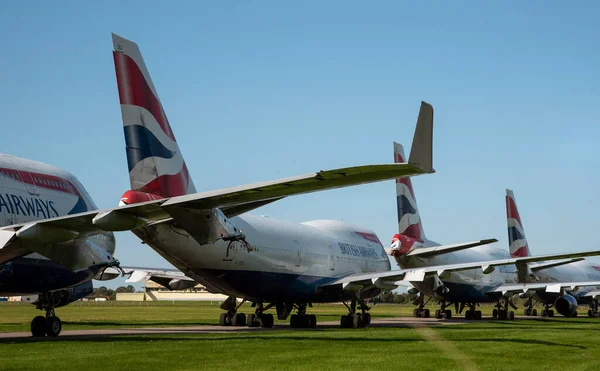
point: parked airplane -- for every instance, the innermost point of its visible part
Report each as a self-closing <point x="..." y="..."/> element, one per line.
<point x="576" y="272"/>
<point x="31" y="191"/>
<point x="269" y="262"/>
<point x="466" y="288"/>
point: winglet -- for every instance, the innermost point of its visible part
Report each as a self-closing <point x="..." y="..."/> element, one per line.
<point x="421" y="151"/>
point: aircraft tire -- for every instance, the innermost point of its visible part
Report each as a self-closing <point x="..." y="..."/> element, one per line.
<point x="53" y="326"/>
<point x="469" y="315"/>
<point x="550" y="313"/>
<point x="38" y="326"/>
<point x="447" y="314"/>
<point x="590" y="313"/>
<point x="266" y="321"/>
<point x="426" y="313"/>
<point x="527" y="312"/>
<point x="478" y="315"/>
<point x="534" y="313"/>
<point x="416" y="313"/>
<point x="367" y="319"/>
<point x="511" y="315"/>
<point x="312" y="321"/>
<point x="238" y="319"/>
<point x="223" y="320"/>
<point x="357" y="321"/>
<point x="251" y="320"/>
<point x="495" y="313"/>
<point x="574" y="314"/>
<point x="294" y="321"/>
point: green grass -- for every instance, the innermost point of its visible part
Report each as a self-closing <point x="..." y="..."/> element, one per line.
<point x="532" y="344"/>
<point x="16" y="316"/>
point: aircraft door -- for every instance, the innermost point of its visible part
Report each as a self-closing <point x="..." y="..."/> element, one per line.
<point x="331" y="258"/>
<point x="25" y="177"/>
<point x="298" y="253"/>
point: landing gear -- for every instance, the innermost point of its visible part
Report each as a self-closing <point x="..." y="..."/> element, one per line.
<point x="443" y="312"/>
<point x="501" y="311"/>
<point x="354" y="319"/>
<point x="529" y="310"/>
<point x="472" y="313"/>
<point x="303" y="320"/>
<point x="259" y="318"/>
<point x="547" y="312"/>
<point x="50" y="325"/>
<point x="593" y="311"/>
<point x="232" y="317"/>
<point x="421" y="311"/>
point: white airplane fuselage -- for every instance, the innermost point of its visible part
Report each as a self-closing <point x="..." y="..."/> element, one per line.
<point x="283" y="261"/>
<point x="29" y="191"/>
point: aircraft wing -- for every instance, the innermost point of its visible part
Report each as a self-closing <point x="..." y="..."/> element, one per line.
<point x="16" y="240"/>
<point x="551" y="264"/>
<point x="552" y="287"/>
<point x="388" y="279"/>
<point x="173" y="279"/>
<point x="444" y="249"/>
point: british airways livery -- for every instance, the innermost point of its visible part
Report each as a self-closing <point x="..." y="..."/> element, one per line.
<point x="469" y="286"/>
<point x="45" y="273"/>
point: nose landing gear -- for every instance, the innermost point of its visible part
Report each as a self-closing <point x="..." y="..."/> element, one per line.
<point x="50" y="325"/>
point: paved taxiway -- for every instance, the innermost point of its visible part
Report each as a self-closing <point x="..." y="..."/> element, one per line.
<point x="400" y="322"/>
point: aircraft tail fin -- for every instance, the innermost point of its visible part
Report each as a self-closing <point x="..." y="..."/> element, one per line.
<point x="516" y="233"/>
<point x="156" y="165"/>
<point x="410" y="228"/>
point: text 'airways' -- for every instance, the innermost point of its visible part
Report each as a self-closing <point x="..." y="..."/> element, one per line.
<point x="19" y="205"/>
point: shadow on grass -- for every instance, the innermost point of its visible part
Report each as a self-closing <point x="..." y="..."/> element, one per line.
<point x="135" y="324"/>
<point x="223" y="338"/>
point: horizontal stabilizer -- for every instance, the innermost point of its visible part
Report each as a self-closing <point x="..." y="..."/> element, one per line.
<point x="426" y="252"/>
<point x="551" y="264"/>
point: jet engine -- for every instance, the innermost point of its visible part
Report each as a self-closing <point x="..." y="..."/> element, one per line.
<point x="566" y="305"/>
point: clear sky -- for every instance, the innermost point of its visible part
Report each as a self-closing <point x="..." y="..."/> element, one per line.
<point x="259" y="90"/>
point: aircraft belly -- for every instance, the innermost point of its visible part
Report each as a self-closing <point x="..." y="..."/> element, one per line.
<point x="27" y="276"/>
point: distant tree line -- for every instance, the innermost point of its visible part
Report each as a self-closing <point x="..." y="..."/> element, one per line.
<point x="109" y="294"/>
<point x="389" y="296"/>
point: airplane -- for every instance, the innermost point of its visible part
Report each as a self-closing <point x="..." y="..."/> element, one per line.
<point x="211" y="239"/>
<point x="470" y="287"/>
<point x="269" y="262"/>
<point x="571" y="275"/>
<point x="46" y="272"/>
<point x="276" y="264"/>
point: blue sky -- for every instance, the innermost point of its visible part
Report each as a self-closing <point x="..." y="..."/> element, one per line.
<point x="261" y="90"/>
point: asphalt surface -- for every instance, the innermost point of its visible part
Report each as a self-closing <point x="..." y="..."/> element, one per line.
<point x="66" y="334"/>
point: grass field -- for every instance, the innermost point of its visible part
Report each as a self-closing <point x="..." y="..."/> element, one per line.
<point x="539" y="344"/>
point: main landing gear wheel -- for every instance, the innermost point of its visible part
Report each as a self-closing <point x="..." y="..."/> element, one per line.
<point x="473" y="315"/>
<point x="232" y="317"/>
<point x="50" y="325"/>
<point x="53" y="326"/>
<point x="38" y="326"/>
<point x="238" y="319"/>
<point x="266" y="320"/>
<point x="259" y="318"/>
<point x="303" y="321"/>
<point x="354" y="319"/>
<point x="447" y="314"/>
<point x="501" y="311"/>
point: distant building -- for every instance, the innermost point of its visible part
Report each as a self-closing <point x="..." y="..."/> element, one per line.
<point x="155" y="292"/>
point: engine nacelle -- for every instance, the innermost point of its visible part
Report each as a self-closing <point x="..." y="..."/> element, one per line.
<point x="566" y="305"/>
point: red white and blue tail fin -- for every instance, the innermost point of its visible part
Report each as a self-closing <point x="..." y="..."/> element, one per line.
<point x="516" y="233"/>
<point x="410" y="229"/>
<point x="156" y="165"/>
